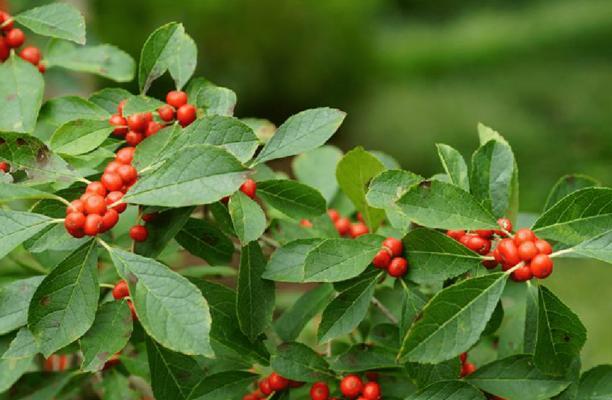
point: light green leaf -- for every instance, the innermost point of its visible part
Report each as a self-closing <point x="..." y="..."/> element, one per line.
<point x="292" y="198"/>
<point x="141" y="104"/>
<point x="248" y="218"/>
<point x="388" y="186"/>
<point x="108" y="335"/>
<point x="215" y="100"/>
<point x="600" y="247"/>
<point x="223" y="386"/>
<point x="453" y="320"/>
<point x="199" y="174"/>
<point x="302" y="132"/>
<point x="203" y="239"/>
<point x="454" y="166"/>
<point x="596" y="384"/>
<point x="264" y="129"/>
<point x="517" y="378"/>
<point x="317" y="168"/>
<point x="255" y="299"/>
<point x="448" y="390"/>
<point x="156" y="148"/>
<point x="11" y="192"/>
<point x="109" y="98"/>
<point x="18" y="226"/>
<point x="21" y="94"/>
<point x="80" y="136"/>
<point x="354" y="173"/>
<point x="287" y="262"/>
<point x="60" y="20"/>
<point x="11" y="369"/>
<point x="442" y="205"/>
<point x="60" y="110"/>
<point x="169" y="307"/>
<point x="413" y="302"/>
<point x="569" y="184"/>
<point x="299" y="362"/>
<point x="24" y="345"/>
<point x="14" y="301"/>
<point x="64" y="306"/>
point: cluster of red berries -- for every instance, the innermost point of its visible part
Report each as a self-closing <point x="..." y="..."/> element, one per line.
<point x="13" y="38"/>
<point x="270" y="384"/>
<point x="345" y="227"/>
<point x="121" y="291"/>
<point x="467" y="367"/>
<point x="523" y="247"/>
<point x="351" y="387"/>
<point x="390" y="258"/>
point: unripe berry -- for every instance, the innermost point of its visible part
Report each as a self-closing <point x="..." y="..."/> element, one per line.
<point x="95" y="204"/>
<point x="75" y="206"/>
<point x="133" y="138"/>
<point x="120" y="123"/>
<point x="455" y="234"/>
<point x="31" y="54"/>
<point x="249" y="188"/>
<point x="358" y="229"/>
<point x="333" y="215"/>
<point x="277" y="382"/>
<point x="137" y="122"/>
<point x="97" y="188"/>
<point x="398" y="267"/>
<point x="351" y="386"/>
<point x="74" y="221"/>
<point x="543" y="246"/>
<point x="524" y="235"/>
<point x="112" y="181"/>
<point x="264" y="387"/>
<point x="382" y="259"/>
<point x="127" y="173"/>
<point x="114" y="197"/>
<point x="121" y="290"/>
<point x="186" y="114"/>
<point x="176" y="98"/>
<point x="109" y="220"/>
<point x="395" y="246"/>
<point x="523" y="274"/>
<point x="541" y="266"/>
<point x="371" y="391"/>
<point x="139" y="233"/>
<point x="467" y="369"/>
<point x="92" y="226"/>
<point x="14" y="38"/>
<point x="125" y="155"/>
<point x="509" y="253"/>
<point x="166" y="113"/>
<point x="527" y="250"/>
<point x="505" y="224"/>
<point x="343" y="226"/>
<point x="319" y="391"/>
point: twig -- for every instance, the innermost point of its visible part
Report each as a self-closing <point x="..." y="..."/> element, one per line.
<point x="561" y="252"/>
<point x="384" y="310"/>
<point x="268" y="240"/>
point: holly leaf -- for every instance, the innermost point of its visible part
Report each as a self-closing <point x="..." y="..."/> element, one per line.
<point x="18" y="226"/>
<point x="287" y="263"/>
<point x="169" y="307"/>
<point x="448" y="390"/>
<point x="80" y="136"/>
<point x="162" y="230"/>
<point x="560" y="335"/>
<point x="64" y="305"/>
<point x="108" y="335"/>
<point x="300" y="363"/>
<point x="450" y="314"/>
<point x="435" y="257"/>
<point x="248" y="218"/>
<point x="361" y="358"/>
<point x="517" y="378"/>
<point x="21" y="94"/>
<point x="577" y="217"/>
<point x="443" y="205"/>
<point x="205" y="240"/>
<point x="354" y="173"/>
<point x="595" y="384"/>
<point x="569" y="184"/>
<point x="255" y="299"/>
<point x="215" y="100"/>
<point x="347" y="310"/>
<point x="317" y="168"/>
<point x="301" y="132"/>
<point x="14" y="301"/>
<point x="223" y="385"/>
<point x="60" y="20"/>
<point x="294" y="199"/>
<point x="200" y="174"/>
<point x="454" y="166"/>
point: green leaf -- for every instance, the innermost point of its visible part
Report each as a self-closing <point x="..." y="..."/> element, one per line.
<point x="169" y="48"/>
<point x="14" y="301"/>
<point x="448" y="325"/>
<point x="80" y="136"/>
<point x="169" y="307"/>
<point x="335" y="260"/>
<point x="354" y="173"/>
<point x="248" y="218"/>
<point x="517" y="378"/>
<point x="53" y="238"/>
<point x="156" y="148"/>
<point x="18" y="226"/>
<point x="317" y="168"/>
<point x="109" y="98"/>
<point x="11" y="192"/>
<point x="103" y="60"/>
<point x="424" y="375"/>
<point x="21" y="94"/>
<point x="412" y="303"/>
<point x="58" y="111"/>
<point x="60" y="20"/>
<point x="347" y="310"/>
<point x="361" y="358"/>
<point x="215" y="100"/>
<point x="223" y="386"/>
<point x="388" y="186"/>
<point x="299" y="362"/>
<point x="11" y="369"/>
<point x="255" y="299"/>
<point x="200" y="174"/>
<point x="600" y="247"/>
<point x="109" y="334"/>
<point x="454" y="166"/>
<point x="162" y="230"/>
<point x="442" y="205"/>
<point x="302" y="132"/>
<point x="435" y="257"/>
<point x="448" y="390"/>
<point x="291" y="323"/>
<point x="596" y="384"/>
<point x="24" y="345"/>
<point x="141" y="104"/>
<point x="287" y="262"/>
<point x="117" y="387"/>
<point x="292" y="198"/>
<point x="64" y="306"/>
<point x="205" y="240"/>
<point x="569" y="184"/>
<point x="560" y="335"/>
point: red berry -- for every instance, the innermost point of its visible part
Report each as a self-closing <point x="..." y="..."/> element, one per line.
<point x="139" y="233"/>
<point x="382" y="259"/>
<point x="112" y="166"/>
<point x="127" y="173"/>
<point x="85" y="196"/>
<point x="125" y="155"/>
<point x="509" y="253"/>
<point x="137" y="122"/>
<point x="455" y="234"/>
<point x="522" y="274"/>
<point x="120" y="106"/>
<point x="395" y="246"/>
<point x="250" y="396"/>
<point x="398" y="267"/>
<point x="467" y="369"/>
<point x="466" y="238"/>
<point x="166" y="113"/>
<point x="152" y="128"/>
<point x="4" y="166"/>
<point x="14" y="38"/>
<point x="497" y="255"/>
<point x="114" y="197"/>
<point x="485" y="233"/>
<point x="42" y="68"/>
<point x="463" y="357"/>
<point x="351" y="386"/>
<point x="479" y="244"/>
<point x="543" y="246"/>
<point x="176" y="98"/>
<point x="148" y="116"/>
<point x="333" y="215"/>
<point x="305" y="223"/>
<point x="360" y="217"/>
<point x="120" y="123"/>
<point x="524" y="235"/>
<point x="149" y="217"/>
<point x="295" y="384"/>
<point x="249" y="187"/>
<point x="277" y="382"/>
<point x="31" y="54"/>
<point x="112" y="181"/>
<point x="343" y="226"/>
<point x="505" y="224"/>
<point x="5" y="50"/>
<point x="372" y="376"/>
<point x="74" y="221"/>
<point x="75" y="206"/>
<point x="490" y="264"/>
<point x="264" y="387"/>
<point x="527" y="250"/>
<point x="4" y="16"/>
<point x="541" y="266"/>
<point x="133" y="138"/>
<point x="358" y="229"/>
<point x="109" y="220"/>
<point x="186" y="114"/>
<point x="95" y="204"/>
<point x="97" y="188"/>
<point x="371" y="391"/>
<point x="319" y="391"/>
<point x="121" y="290"/>
<point x="92" y="226"/>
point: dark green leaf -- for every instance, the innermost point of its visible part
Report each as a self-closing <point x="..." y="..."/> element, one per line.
<point x="287" y="262"/>
<point x="292" y="198"/>
<point x="141" y="104"/>
<point x="61" y="21"/>
<point x="11" y="192"/>
<point x="388" y="186"/>
<point x="248" y="218"/>
<point x="14" y="301"/>
<point x="412" y="303"/>
<point x="18" y="226"/>
<point x="361" y="357"/>
<point x="599" y="247"/>
<point x="596" y="384"/>
<point x="24" y="345"/>
<point x="21" y="94"/>
<point x="424" y="375"/>
<point x="454" y="166"/>
<point x="317" y="168"/>
<point x="223" y="386"/>
<point x="203" y="239"/>
<point x="11" y="369"/>
<point x="80" y="136"/>
<point x="58" y="111"/>
<point x="448" y="390"/>
<point x="300" y="363"/>
<point x="568" y="184"/>
<point x="109" y="98"/>
<point x="156" y="148"/>
<point x="162" y="230"/>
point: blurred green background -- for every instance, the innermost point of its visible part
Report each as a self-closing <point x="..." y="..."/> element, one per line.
<point x="411" y="73"/>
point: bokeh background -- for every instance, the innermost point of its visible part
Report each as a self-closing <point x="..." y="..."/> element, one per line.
<point x="411" y="73"/>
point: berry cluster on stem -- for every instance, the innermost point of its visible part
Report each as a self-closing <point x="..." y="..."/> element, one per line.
<point x="12" y="38"/>
<point x="269" y="385"/>
<point x="390" y="259"/>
